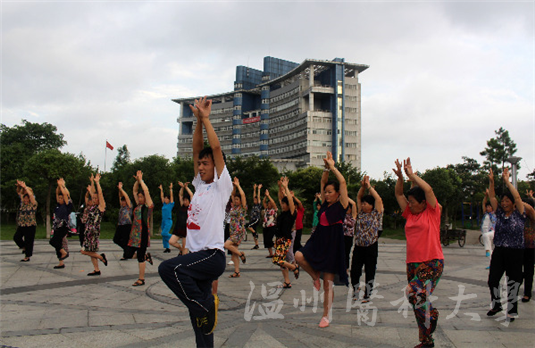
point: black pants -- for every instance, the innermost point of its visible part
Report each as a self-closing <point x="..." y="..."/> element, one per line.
<point x="367" y="257"/>
<point x="269" y="233"/>
<point x="348" y="242"/>
<point x="508" y="261"/>
<point x="57" y="239"/>
<point x="529" y="256"/>
<point x="121" y="237"/>
<point x="190" y="277"/>
<point x="297" y="241"/>
<point x="24" y="237"/>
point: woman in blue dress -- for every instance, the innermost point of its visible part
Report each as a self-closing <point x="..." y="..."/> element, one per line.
<point x="325" y="250"/>
<point x="167" y="216"/>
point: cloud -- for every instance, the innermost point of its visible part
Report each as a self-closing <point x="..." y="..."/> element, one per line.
<point x="443" y="76"/>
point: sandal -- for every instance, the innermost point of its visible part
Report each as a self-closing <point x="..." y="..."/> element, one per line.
<point x="148" y="258"/>
<point x="234" y="275"/>
<point x="139" y="282"/>
<point x="242" y="257"/>
<point x="285" y="286"/>
<point x="296" y="272"/>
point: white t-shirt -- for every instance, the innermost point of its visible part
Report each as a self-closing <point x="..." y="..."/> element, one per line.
<point x="207" y="212"/>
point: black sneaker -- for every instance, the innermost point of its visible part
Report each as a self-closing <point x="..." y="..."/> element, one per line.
<point x="494" y="311"/>
<point x="167" y="250"/>
<point x="208" y="323"/>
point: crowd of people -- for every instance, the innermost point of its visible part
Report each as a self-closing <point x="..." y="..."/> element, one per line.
<point x="213" y="219"/>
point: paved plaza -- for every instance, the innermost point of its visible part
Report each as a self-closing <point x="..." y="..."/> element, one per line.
<point x="45" y="307"/>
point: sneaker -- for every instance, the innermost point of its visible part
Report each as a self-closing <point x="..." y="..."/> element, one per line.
<point x="230" y="262"/>
<point x="208" y="323"/>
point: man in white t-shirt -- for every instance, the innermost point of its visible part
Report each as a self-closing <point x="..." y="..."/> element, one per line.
<point x="190" y="276"/>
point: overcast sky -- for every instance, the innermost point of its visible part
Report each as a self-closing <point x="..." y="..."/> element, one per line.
<point x="443" y="76"/>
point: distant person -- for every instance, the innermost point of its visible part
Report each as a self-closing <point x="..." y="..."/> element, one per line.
<point x="140" y="234"/>
<point x="180" y="231"/>
<point x="369" y="216"/>
<point x="167" y="216"/>
<point x="488" y="224"/>
<point x="508" y="252"/>
<point x="270" y="222"/>
<point x="529" y="246"/>
<point x="316" y="205"/>
<point x="61" y="221"/>
<point x="425" y="260"/>
<point x="254" y="216"/>
<point x="283" y="234"/>
<point x="296" y="245"/>
<point x="92" y="225"/>
<point x="26" y="223"/>
<point x="349" y="229"/>
<point x="324" y="250"/>
<point x="237" y="227"/>
<point x="124" y="224"/>
<point x="191" y="276"/>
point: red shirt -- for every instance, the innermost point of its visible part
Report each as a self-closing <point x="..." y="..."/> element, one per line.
<point x="423" y="234"/>
<point x="299" y="220"/>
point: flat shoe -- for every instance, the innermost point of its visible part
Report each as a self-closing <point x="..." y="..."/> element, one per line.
<point x="64" y="257"/>
<point x="59" y="267"/>
<point x="524" y="299"/>
<point x="243" y="258"/>
<point x="104" y="260"/>
<point x="493" y="312"/>
<point x="28" y="260"/>
<point x="234" y="275"/>
<point x="324" y="322"/>
<point x="94" y="273"/>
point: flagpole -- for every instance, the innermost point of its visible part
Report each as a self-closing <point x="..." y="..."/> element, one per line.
<point x="105" y="155"/>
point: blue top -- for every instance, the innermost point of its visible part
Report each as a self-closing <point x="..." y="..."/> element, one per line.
<point x="509" y="231"/>
<point x="167" y="211"/>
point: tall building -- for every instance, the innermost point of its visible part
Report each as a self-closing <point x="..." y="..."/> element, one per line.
<point x="292" y="113"/>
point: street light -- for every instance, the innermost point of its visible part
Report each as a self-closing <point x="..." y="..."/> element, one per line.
<point x="514" y="160"/>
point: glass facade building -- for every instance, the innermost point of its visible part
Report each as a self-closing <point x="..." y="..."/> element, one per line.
<point x="287" y="111"/>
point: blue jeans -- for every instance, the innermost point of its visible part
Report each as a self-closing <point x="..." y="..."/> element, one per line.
<point x="190" y="277"/>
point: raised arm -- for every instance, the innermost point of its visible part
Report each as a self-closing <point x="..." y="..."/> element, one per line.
<point x="161" y="193"/>
<point x="204" y="107"/>
<point x="270" y="199"/>
<point x="181" y="193"/>
<point x="429" y="194"/>
<point x="124" y="194"/>
<point x="353" y="208"/>
<point x="281" y="193"/>
<point x="254" y="192"/>
<point x="284" y="184"/>
<point x="299" y="203"/>
<point x="101" y="202"/>
<point x="148" y="199"/>
<point x="400" y="197"/>
<point x="264" y="202"/>
<point x="484" y="203"/>
<point x="360" y="194"/>
<point x="28" y="190"/>
<point x="93" y="189"/>
<point x="135" y="190"/>
<point x="491" y="193"/>
<point x="20" y="190"/>
<point x="186" y="187"/>
<point x="242" y="194"/>
<point x="171" y="195"/>
<point x="518" y="201"/>
<point x="197" y="141"/>
<point x="378" y="200"/>
<point x="258" y="193"/>
<point x="64" y="191"/>
<point x="329" y="162"/>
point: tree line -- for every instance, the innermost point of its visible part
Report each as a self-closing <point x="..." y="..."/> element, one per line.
<point x="32" y="152"/>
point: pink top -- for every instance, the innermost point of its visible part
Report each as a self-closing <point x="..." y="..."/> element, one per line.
<point x="423" y="234"/>
<point x="325" y="222"/>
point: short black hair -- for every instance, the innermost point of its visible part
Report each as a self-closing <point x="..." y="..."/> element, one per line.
<point x="285" y="200"/>
<point x="335" y="184"/>
<point x="123" y="199"/>
<point x="208" y="152"/>
<point x="509" y="195"/>
<point x="26" y="195"/>
<point x="417" y="193"/>
<point x="369" y="199"/>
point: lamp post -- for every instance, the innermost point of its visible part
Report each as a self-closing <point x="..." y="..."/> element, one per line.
<point x="514" y="160"/>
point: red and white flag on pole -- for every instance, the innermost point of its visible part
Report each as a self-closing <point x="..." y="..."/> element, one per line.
<point x="108" y="145"/>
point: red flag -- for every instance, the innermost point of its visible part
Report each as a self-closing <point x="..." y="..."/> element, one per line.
<point x="108" y="145"/>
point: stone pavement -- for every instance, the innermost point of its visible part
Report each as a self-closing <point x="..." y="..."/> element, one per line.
<point x="44" y="307"/>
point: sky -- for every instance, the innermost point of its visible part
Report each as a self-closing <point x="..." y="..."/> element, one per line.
<point x="443" y="75"/>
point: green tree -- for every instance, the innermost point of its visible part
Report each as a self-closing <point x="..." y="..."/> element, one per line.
<point x="122" y="158"/>
<point x="498" y="150"/>
<point x="17" y="145"/>
<point x="46" y="167"/>
<point x="446" y="185"/>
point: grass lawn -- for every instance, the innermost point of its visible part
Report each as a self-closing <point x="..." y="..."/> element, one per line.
<point x="107" y="231"/>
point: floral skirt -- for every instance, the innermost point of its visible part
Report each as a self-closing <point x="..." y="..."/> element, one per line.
<point x="282" y="245"/>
